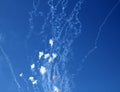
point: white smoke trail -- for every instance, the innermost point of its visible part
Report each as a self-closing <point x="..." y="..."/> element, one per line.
<point x="11" y="69"/>
<point x="100" y="30"/>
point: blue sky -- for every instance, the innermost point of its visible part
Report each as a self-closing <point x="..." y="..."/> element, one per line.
<point x="99" y="73"/>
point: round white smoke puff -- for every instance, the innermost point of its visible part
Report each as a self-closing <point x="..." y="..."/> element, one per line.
<point x="32" y="66"/>
<point x="41" y="53"/>
<point x="51" y="42"/>
<point x="55" y="88"/>
<point x="21" y="74"/>
<point x="43" y="70"/>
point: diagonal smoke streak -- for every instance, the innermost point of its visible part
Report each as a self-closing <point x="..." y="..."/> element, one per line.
<point x="100" y="30"/>
<point x="104" y="21"/>
<point x="11" y="69"/>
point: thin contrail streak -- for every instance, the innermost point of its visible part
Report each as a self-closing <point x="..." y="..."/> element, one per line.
<point x="105" y="20"/>
<point x="100" y="30"/>
<point x="11" y="69"/>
